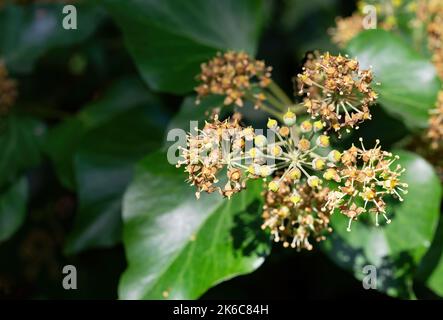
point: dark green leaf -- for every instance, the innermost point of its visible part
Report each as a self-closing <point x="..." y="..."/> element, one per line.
<point x="169" y="39"/>
<point x="63" y="140"/>
<point x="33" y="30"/>
<point x="177" y="247"/>
<point x="394" y="249"/>
<point x="20" y="142"/>
<point x="409" y="83"/>
<point x="430" y="271"/>
<point x="103" y="168"/>
<point x="13" y="208"/>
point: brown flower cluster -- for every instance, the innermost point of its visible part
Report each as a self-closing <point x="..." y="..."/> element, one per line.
<point x="435" y="34"/>
<point x="337" y="90"/>
<point x="366" y="177"/>
<point x="294" y="159"/>
<point x="294" y="214"/>
<point x="435" y="131"/>
<point x="234" y="75"/>
<point x="219" y="145"/>
<point x="346" y="29"/>
<point x="8" y="90"/>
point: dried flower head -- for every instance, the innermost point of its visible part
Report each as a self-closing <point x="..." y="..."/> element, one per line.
<point x="219" y="145"/>
<point x="336" y="90"/>
<point x="435" y="35"/>
<point x="234" y="75"/>
<point x="435" y="130"/>
<point x="294" y="214"/>
<point x="8" y="90"/>
<point x="366" y="178"/>
<point x="346" y="29"/>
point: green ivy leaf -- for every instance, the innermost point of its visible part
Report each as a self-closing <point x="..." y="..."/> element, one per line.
<point x="63" y="140"/>
<point x="430" y="271"/>
<point x="395" y="249"/>
<point x="409" y="83"/>
<point x="177" y="247"/>
<point x="20" y="143"/>
<point x="34" y="29"/>
<point x="169" y="39"/>
<point x="103" y="168"/>
<point x="13" y="208"/>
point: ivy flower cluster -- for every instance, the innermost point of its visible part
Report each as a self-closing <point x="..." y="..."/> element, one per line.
<point x="435" y="131"/>
<point x="336" y="90"/>
<point x="219" y="145"/>
<point x="234" y="75"/>
<point x="365" y="177"/>
<point x="8" y="90"/>
<point x="295" y="214"/>
<point x="346" y="29"/>
<point x="434" y="11"/>
<point x="306" y="180"/>
<point x="387" y="14"/>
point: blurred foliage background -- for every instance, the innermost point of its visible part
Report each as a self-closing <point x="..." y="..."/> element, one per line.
<point x="80" y="146"/>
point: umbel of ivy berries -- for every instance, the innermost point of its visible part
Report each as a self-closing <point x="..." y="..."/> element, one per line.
<point x="306" y="180"/>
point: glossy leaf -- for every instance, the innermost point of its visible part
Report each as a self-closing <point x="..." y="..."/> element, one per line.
<point x="103" y="168"/>
<point x="169" y="39"/>
<point x="395" y="249"/>
<point x="409" y="83"/>
<point x="430" y="270"/>
<point x="13" y="202"/>
<point x="33" y="30"/>
<point x="178" y="247"/>
<point x="20" y="144"/>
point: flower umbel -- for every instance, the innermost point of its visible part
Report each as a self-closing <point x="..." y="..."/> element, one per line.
<point x="234" y="75"/>
<point x="294" y="214"/>
<point x="336" y="90"/>
<point x="306" y="180"/>
<point x="435" y="131"/>
<point x="346" y="29"/>
<point x="219" y="145"/>
<point x="366" y="178"/>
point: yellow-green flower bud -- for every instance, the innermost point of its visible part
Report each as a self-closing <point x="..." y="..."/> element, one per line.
<point x="273" y="186"/>
<point x="318" y="164"/>
<point x="306" y="126"/>
<point x="314" y="181"/>
<point x="323" y="141"/>
<point x="289" y="118"/>
<point x="260" y="141"/>
<point x="272" y="123"/>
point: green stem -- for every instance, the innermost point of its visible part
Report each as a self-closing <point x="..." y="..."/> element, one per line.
<point x="279" y="93"/>
<point x="276" y="103"/>
<point x="271" y="111"/>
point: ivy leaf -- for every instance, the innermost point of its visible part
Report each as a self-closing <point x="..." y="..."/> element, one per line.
<point x="63" y="140"/>
<point x="177" y="247"/>
<point x="20" y="142"/>
<point x="430" y="271"/>
<point x="409" y="82"/>
<point x="13" y="202"/>
<point x="395" y="249"/>
<point x="169" y="39"/>
<point x="35" y="29"/>
<point x="103" y="168"/>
